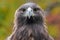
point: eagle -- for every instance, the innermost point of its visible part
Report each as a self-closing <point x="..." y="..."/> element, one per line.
<point x="29" y="23"/>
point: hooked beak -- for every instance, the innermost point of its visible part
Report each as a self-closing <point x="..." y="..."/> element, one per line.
<point x="29" y="12"/>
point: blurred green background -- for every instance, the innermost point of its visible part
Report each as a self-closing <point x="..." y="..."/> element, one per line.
<point x="7" y="10"/>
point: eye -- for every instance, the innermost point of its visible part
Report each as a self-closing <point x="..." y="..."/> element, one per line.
<point x="23" y="9"/>
<point x="36" y="9"/>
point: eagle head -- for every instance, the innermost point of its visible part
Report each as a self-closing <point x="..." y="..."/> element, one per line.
<point x="29" y="13"/>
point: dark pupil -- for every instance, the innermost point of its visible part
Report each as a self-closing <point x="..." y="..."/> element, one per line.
<point x="36" y="9"/>
<point x="23" y="10"/>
